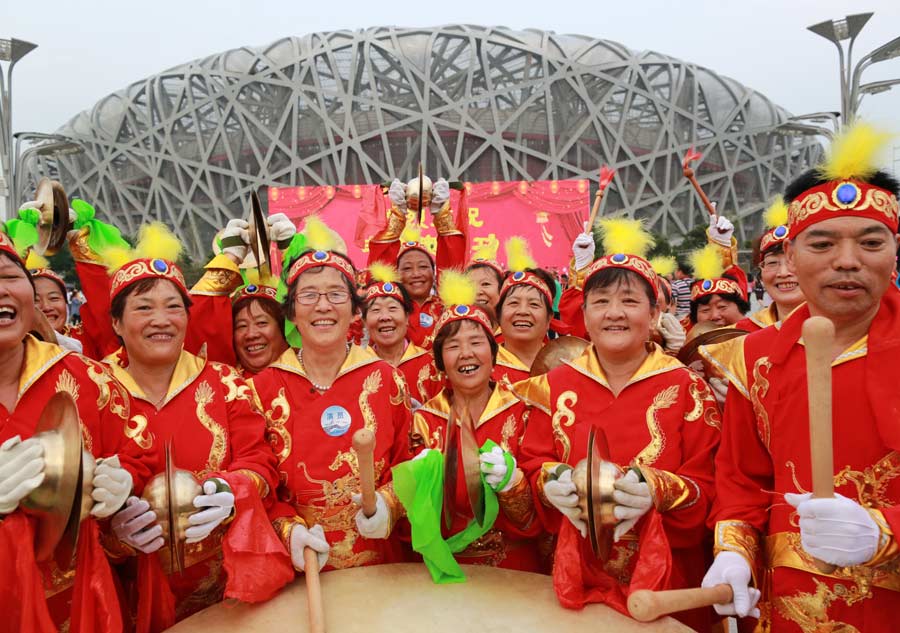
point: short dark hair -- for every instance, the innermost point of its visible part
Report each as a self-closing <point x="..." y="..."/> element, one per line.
<point x="268" y="306"/>
<point x="610" y="277"/>
<point x="287" y="306"/>
<point x="450" y="330"/>
<point x="541" y="274"/>
<point x="500" y="277"/>
<point x="685" y="268"/>
<point x="18" y="262"/>
<point x="117" y="306"/>
<point x="406" y="302"/>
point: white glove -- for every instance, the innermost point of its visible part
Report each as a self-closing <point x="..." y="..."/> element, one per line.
<point x="440" y="193"/>
<point x="21" y="470"/>
<point x="583" y="250"/>
<point x="730" y="568"/>
<point x="136" y="526"/>
<point x="281" y="228"/>
<point x="836" y="530"/>
<point x="379" y="524"/>
<point x="493" y="467"/>
<point x="216" y="507"/>
<point x="633" y="499"/>
<point x="69" y="343"/>
<point x="397" y="194"/>
<point x="719" y="388"/>
<point x="237" y="228"/>
<point x="720" y="230"/>
<point x="673" y="332"/>
<point x="562" y="495"/>
<point x="314" y="539"/>
<point x="112" y="485"/>
<point x="421" y="454"/>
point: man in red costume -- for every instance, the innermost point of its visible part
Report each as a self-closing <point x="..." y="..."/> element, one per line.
<point x="768" y="529"/>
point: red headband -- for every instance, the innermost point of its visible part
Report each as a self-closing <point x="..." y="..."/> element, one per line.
<point x="524" y="278"/>
<point x="314" y="259"/>
<point x="464" y="313"/>
<point x="139" y="269"/>
<point x="46" y="273"/>
<point x="842" y="198"/>
<point x="717" y="286"/>
<point x="490" y="263"/>
<point x="253" y="291"/>
<point x="772" y="238"/>
<point x="405" y="247"/>
<point x="7" y="246"/>
<point x="633" y="263"/>
<point x="379" y="289"/>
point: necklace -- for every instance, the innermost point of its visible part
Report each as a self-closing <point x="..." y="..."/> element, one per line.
<point x="315" y="385"/>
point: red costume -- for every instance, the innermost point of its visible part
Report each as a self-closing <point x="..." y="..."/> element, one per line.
<point x="509" y="367"/>
<point x="765" y="453"/>
<point x="312" y="433"/>
<point x="511" y="542"/>
<point x="759" y="319"/>
<point x="665" y="421"/>
<point x="422" y="378"/>
<point x="85" y="592"/>
<point x="209" y="416"/>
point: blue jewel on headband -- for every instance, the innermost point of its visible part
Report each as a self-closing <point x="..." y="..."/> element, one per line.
<point x="320" y="256"/>
<point x="251" y="289"/>
<point x="411" y="243"/>
<point x="618" y="258"/>
<point x="159" y="265"/>
<point x="847" y="193"/>
<point x="518" y="276"/>
<point x="388" y="287"/>
<point x="462" y="310"/>
<point x="780" y="231"/>
<point x="707" y="284"/>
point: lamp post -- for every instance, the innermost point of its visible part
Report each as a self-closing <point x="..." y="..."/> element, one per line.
<point x="847" y="28"/>
<point x="11" y="51"/>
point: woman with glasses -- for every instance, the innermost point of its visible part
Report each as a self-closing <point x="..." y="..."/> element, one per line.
<point x="315" y="398"/>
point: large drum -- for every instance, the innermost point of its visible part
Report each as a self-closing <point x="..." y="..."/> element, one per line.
<point x="401" y="598"/>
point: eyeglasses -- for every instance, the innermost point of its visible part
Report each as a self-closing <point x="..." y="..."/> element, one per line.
<point x="335" y="297"/>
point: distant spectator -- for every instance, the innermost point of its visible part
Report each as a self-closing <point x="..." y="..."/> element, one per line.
<point x="681" y="289"/>
<point x="76" y="300"/>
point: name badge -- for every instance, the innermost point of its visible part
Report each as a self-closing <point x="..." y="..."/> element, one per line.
<point x="425" y="319"/>
<point x="335" y="420"/>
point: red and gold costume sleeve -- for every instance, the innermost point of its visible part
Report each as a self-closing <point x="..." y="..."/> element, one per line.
<point x="385" y="246"/>
<point x="210" y="322"/>
<point x="95" y="283"/>
<point x="571" y="312"/>
<point x="451" y="241"/>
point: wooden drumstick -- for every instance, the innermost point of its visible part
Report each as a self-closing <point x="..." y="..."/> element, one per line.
<point x="364" y="445"/>
<point x="606" y="176"/>
<point x="645" y="605"/>
<point x="688" y="172"/>
<point x="314" y="608"/>
<point x="818" y="337"/>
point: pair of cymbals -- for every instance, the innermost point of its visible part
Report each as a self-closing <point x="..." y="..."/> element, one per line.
<point x="594" y="478"/>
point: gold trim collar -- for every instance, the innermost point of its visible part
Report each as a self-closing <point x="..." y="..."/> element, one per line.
<point x="356" y="358"/>
<point x="657" y="362"/>
<point x="39" y="358"/>
<point x="186" y="371"/>
<point x="499" y="401"/>
<point x="507" y="359"/>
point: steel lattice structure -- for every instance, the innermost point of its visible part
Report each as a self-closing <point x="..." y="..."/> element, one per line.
<point x="471" y="103"/>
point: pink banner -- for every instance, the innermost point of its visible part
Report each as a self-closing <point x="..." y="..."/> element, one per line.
<point x="549" y="214"/>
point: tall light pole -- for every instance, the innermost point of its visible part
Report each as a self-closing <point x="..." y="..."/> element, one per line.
<point x="11" y="51"/>
<point x="847" y="28"/>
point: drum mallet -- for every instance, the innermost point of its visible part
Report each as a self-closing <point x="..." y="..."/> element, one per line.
<point x="314" y="608"/>
<point x="364" y="445"/>
<point x="645" y="605"/>
<point x="818" y="337"/>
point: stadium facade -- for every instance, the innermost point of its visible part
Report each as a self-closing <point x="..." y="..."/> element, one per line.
<point x="472" y="103"/>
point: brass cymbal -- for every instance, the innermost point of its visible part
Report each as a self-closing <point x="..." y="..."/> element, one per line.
<point x="54" y="223"/>
<point x="705" y="334"/>
<point x="594" y="477"/>
<point x="59" y="431"/>
<point x="171" y="496"/>
<point x="556" y="352"/>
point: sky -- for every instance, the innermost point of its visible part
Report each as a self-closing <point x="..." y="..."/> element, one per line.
<point x="91" y="48"/>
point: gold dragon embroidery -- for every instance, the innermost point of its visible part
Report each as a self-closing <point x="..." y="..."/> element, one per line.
<point x="508" y="432"/>
<point x="757" y="392"/>
<point x="809" y="611"/>
<point x="135" y="429"/>
<point x="423" y="377"/>
<point x="700" y="394"/>
<point x="229" y="377"/>
<point x="663" y="400"/>
<point x="564" y="416"/>
<point x="276" y="418"/>
<point x="204" y="397"/>
<point x="371" y="384"/>
<point x="108" y="392"/>
<point x="402" y="396"/>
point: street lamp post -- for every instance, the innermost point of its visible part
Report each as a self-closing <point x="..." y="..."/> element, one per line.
<point x="847" y="28"/>
<point x="11" y="51"/>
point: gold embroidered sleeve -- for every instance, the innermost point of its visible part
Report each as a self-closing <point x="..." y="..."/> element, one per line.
<point x="283" y="527"/>
<point x="669" y="491"/>
<point x="78" y="246"/>
<point x="517" y="503"/>
<point x="727" y="360"/>
<point x="888" y="548"/>
<point x="576" y="277"/>
<point x="443" y="221"/>
<point x="221" y="277"/>
<point x="535" y="392"/>
<point x="396" y="221"/>
<point x="728" y="254"/>
<point x="261" y="486"/>
<point x="395" y="508"/>
<point x="739" y="537"/>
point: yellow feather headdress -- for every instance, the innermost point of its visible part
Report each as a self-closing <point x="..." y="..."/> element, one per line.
<point x="456" y="288"/>
<point x="663" y="265"/>
<point x="382" y="272"/>
<point x="854" y="153"/>
<point x="777" y="213"/>
<point x="707" y="262"/>
<point x="625" y="235"/>
<point x="518" y="255"/>
<point x="321" y="237"/>
<point x="155" y="241"/>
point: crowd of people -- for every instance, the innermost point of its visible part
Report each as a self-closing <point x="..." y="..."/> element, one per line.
<point x="256" y="385"/>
